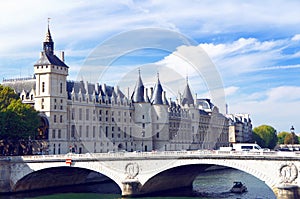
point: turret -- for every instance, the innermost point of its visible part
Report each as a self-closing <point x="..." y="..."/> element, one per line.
<point x="187" y="97"/>
<point x="157" y="97"/>
<point x="138" y="93"/>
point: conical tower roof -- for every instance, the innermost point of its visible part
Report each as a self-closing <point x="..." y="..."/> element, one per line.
<point x="138" y="93"/>
<point x="48" y="36"/>
<point x="157" y="93"/>
<point x="187" y="97"/>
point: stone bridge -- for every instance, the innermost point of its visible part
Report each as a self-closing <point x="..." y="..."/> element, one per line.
<point x="148" y="172"/>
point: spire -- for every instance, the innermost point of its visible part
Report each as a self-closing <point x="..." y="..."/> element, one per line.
<point x="48" y="44"/>
<point x="157" y="94"/>
<point x="187" y="97"/>
<point x="138" y="93"/>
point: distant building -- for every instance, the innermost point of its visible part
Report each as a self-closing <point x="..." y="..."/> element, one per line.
<point x="87" y="117"/>
<point x="240" y="128"/>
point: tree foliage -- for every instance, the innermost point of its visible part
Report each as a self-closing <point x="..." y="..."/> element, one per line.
<point x="281" y="137"/>
<point x="291" y="138"/>
<point x="6" y="96"/>
<point x="17" y="120"/>
<point x="265" y="136"/>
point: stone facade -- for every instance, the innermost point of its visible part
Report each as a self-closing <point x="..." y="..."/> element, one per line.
<point x="86" y="117"/>
<point x="240" y="128"/>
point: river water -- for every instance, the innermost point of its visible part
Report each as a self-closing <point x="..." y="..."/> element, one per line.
<point x="209" y="185"/>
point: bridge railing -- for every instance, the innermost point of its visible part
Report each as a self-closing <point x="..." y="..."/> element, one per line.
<point x="149" y="154"/>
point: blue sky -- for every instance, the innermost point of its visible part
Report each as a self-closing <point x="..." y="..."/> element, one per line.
<point x="254" y="46"/>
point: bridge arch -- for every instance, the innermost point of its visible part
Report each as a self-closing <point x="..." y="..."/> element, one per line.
<point x="188" y="171"/>
<point x="52" y="177"/>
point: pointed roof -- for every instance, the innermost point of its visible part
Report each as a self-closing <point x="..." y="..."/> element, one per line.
<point x="48" y="36"/>
<point x="187" y="97"/>
<point x="138" y="93"/>
<point x="47" y="55"/>
<point x="157" y="93"/>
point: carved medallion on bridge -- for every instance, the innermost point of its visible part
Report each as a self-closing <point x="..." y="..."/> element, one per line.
<point x="288" y="173"/>
<point x="132" y="170"/>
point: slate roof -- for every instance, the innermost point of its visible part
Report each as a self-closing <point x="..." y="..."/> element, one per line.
<point x="205" y="103"/>
<point x="47" y="59"/>
<point x="187" y="97"/>
<point x="157" y="93"/>
<point x="20" y="84"/>
<point x="88" y="89"/>
<point x="138" y="93"/>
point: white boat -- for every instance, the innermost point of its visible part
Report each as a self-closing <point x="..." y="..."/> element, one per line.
<point x="238" y="187"/>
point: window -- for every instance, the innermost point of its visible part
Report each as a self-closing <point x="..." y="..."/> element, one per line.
<point x="59" y="133"/>
<point x="61" y="88"/>
<point x="106" y="131"/>
<point x="87" y="131"/>
<point x="73" y="131"/>
<point x="42" y="103"/>
<point x="80" y="114"/>
<point x="43" y="87"/>
<point x="94" y="131"/>
<point x="73" y="113"/>
<point x="80" y="131"/>
<point x="87" y="114"/>
<point x="143" y="125"/>
<point x="157" y="134"/>
<point x="112" y="128"/>
<point x="54" y="119"/>
<point x="100" y="131"/>
<point x="61" y="119"/>
<point x="143" y="117"/>
<point x="53" y="133"/>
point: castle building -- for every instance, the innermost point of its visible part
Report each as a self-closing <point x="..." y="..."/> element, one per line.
<point x="83" y="117"/>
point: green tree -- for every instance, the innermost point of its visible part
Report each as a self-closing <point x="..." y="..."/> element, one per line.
<point x="6" y="96"/>
<point x="17" y="121"/>
<point x="265" y="136"/>
<point x="281" y="136"/>
<point x="291" y="138"/>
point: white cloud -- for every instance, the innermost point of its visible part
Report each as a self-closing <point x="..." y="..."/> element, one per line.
<point x="231" y="90"/>
<point x="244" y="55"/>
<point x="296" y="37"/>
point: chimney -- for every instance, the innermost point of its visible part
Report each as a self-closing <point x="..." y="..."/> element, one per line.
<point x="62" y="56"/>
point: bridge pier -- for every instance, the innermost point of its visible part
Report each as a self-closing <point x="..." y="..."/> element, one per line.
<point x="287" y="192"/>
<point x="131" y="187"/>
